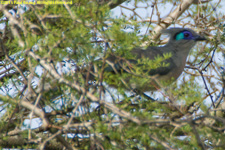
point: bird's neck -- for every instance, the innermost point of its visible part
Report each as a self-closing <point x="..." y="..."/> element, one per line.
<point x="179" y="52"/>
<point x="182" y="48"/>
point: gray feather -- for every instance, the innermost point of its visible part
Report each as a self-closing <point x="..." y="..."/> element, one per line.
<point x="179" y="49"/>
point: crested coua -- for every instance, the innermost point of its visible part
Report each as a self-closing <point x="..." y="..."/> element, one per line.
<point x="181" y="41"/>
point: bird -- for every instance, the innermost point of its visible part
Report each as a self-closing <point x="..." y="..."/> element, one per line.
<point x="170" y="58"/>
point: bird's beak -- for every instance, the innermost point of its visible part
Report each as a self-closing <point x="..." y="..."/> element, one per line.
<point x="200" y="38"/>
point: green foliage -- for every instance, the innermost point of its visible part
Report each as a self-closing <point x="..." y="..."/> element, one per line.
<point x="82" y="37"/>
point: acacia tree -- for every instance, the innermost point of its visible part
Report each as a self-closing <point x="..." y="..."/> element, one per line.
<point x="47" y="103"/>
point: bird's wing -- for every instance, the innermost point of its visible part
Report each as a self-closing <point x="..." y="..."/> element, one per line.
<point x="152" y="53"/>
<point x="119" y="63"/>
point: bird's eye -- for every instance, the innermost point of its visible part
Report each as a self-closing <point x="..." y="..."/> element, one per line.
<point x="186" y="34"/>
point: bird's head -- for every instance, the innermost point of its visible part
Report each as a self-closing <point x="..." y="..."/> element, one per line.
<point x="183" y="37"/>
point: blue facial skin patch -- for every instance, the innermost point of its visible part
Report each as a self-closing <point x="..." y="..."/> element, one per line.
<point x="185" y="35"/>
<point x="180" y="36"/>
